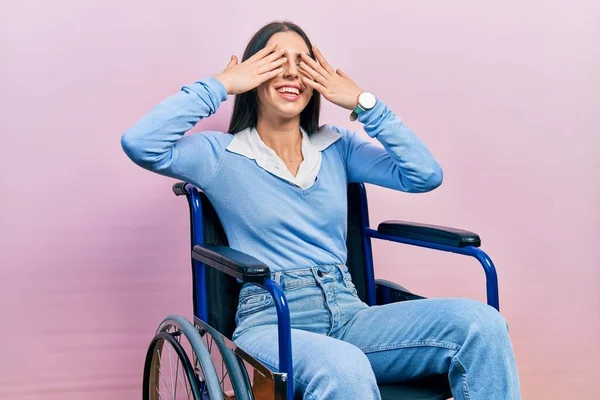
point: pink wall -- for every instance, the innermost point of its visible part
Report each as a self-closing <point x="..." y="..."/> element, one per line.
<point x="94" y="250"/>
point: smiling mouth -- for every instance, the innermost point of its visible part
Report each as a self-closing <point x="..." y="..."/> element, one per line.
<point x="289" y="92"/>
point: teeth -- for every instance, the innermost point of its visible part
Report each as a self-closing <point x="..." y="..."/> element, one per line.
<point x="288" y="90"/>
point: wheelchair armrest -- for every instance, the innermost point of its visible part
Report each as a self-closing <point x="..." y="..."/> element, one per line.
<point x="232" y="262"/>
<point x="390" y="292"/>
<point x="430" y="233"/>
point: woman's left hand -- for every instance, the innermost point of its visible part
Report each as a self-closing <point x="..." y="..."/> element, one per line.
<point x="334" y="85"/>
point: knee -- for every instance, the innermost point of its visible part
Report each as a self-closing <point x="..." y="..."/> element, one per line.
<point x="348" y="372"/>
<point x="482" y="321"/>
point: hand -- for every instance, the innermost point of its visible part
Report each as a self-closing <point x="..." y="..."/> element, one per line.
<point x="335" y="86"/>
<point x="262" y="66"/>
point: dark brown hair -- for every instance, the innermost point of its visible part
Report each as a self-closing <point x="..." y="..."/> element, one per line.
<point x="245" y="106"/>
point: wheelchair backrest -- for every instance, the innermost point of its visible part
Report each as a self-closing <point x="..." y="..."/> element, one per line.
<point x="222" y="291"/>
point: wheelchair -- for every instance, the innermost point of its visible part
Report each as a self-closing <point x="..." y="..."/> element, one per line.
<point x="197" y="360"/>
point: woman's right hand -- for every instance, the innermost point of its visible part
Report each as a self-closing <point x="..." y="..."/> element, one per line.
<point x="262" y="66"/>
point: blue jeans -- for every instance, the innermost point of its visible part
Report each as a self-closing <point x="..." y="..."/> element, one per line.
<point x="342" y="348"/>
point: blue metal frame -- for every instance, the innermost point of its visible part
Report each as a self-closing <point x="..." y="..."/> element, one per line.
<point x="367" y="249"/>
<point x="284" y="330"/>
<point x="197" y="237"/>
<point x="201" y="302"/>
<point x="491" y="278"/>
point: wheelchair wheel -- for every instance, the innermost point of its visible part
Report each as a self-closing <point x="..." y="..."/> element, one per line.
<point x="169" y="373"/>
<point x="232" y="374"/>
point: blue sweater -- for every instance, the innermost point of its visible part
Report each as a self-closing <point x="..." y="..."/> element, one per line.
<point x="263" y="215"/>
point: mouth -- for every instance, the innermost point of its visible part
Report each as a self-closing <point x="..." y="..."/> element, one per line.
<point x="290" y="92"/>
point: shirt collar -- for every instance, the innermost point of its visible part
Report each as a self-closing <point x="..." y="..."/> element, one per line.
<point x="249" y="144"/>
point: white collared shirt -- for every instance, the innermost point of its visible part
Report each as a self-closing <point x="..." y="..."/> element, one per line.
<point x="249" y="144"/>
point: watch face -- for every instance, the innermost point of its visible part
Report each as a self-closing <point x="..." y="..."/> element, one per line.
<point x="367" y="100"/>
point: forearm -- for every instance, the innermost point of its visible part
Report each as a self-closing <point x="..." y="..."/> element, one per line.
<point x="150" y="141"/>
<point x="417" y="169"/>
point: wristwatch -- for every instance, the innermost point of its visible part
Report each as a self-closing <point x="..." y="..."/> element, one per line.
<point x="366" y="101"/>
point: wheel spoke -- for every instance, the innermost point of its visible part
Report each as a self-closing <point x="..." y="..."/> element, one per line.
<point x="223" y="374"/>
<point x="179" y="354"/>
<point x="161" y="375"/>
<point x="176" y="379"/>
<point x="171" y="371"/>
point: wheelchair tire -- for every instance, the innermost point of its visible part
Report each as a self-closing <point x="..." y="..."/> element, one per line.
<point x="152" y="372"/>
<point x="240" y="381"/>
<point x="209" y="384"/>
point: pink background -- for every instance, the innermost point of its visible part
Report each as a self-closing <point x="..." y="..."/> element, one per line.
<point x="94" y="250"/>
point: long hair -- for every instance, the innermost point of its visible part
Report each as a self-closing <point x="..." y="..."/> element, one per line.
<point x="245" y="106"/>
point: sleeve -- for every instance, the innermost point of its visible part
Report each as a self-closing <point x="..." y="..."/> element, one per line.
<point x="403" y="163"/>
<point x="157" y="142"/>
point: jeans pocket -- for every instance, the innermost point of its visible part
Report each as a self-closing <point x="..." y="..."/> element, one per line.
<point x="253" y="304"/>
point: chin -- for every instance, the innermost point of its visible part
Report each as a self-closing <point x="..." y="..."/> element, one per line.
<point x="286" y="111"/>
<point x="290" y="111"/>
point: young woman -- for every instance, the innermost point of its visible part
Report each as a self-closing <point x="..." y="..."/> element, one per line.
<point x="278" y="183"/>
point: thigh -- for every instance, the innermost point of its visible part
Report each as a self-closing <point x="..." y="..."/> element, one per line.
<point x="324" y="367"/>
<point x="412" y="339"/>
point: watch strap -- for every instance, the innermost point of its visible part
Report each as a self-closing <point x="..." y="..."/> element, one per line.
<point x="359" y="109"/>
<point x="356" y="112"/>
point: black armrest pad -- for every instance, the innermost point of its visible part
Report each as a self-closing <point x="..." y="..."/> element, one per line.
<point x="430" y="233"/>
<point x="232" y="262"/>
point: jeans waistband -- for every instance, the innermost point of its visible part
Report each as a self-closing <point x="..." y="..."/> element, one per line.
<point x="285" y="278"/>
<point x="289" y="279"/>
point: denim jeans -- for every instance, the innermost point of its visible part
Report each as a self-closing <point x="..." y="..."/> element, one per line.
<point x="341" y="348"/>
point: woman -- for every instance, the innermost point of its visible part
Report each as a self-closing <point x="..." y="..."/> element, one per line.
<point x="278" y="182"/>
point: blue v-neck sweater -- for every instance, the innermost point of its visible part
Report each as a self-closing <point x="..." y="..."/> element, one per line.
<point x="263" y="215"/>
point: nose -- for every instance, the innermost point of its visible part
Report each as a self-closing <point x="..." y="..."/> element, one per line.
<point x="290" y="67"/>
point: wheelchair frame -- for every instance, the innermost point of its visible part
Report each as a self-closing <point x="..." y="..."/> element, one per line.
<point x="427" y="236"/>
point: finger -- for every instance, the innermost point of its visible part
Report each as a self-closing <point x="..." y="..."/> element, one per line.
<point x="272" y="65"/>
<point x="312" y="73"/>
<point x="315" y="85"/>
<point x="262" y="53"/>
<point x="342" y="73"/>
<point x="232" y="62"/>
<point x="271" y="74"/>
<point x="304" y="73"/>
<point x="314" y="65"/>
<point x="271" y="57"/>
<point x="321" y="59"/>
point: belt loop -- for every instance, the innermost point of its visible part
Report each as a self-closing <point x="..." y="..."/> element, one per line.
<point x="347" y="281"/>
<point x="277" y="277"/>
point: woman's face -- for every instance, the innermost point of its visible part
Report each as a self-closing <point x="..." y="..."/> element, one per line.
<point x="285" y="96"/>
